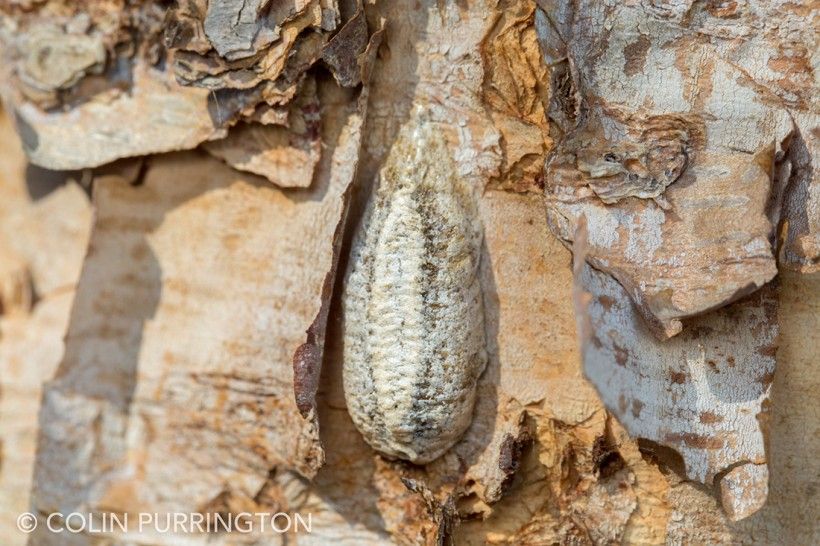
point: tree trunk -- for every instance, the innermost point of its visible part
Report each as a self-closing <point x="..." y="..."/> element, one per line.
<point x="185" y="188"/>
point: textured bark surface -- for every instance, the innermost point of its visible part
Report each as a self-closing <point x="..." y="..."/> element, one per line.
<point x="644" y="179"/>
<point x="669" y="115"/>
<point x="42" y="245"/>
<point x="284" y="146"/>
<point x="701" y="394"/>
<point x="140" y="397"/>
<point x="180" y="76"/>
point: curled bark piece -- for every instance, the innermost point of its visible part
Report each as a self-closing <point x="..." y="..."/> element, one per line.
<point x="516" y="89"/>
<point x="285" y="154"/>
<point x="55" y="59"/>
<point x="307" y="360"/>
<point x="641" y="168"/>
<point x="343" y="51"/>
<point x="236" y="27"/>
<point x="252" y="40"/>
<point x="796" y="213"/>
<point x="443" y="513"/>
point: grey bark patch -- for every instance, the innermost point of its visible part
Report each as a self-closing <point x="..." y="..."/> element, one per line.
<point x="27" y="133"/>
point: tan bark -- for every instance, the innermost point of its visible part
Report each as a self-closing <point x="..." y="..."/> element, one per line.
<point x="185" y="326"/>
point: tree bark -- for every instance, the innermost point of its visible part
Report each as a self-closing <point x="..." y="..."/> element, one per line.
<point x="179" y="190"/>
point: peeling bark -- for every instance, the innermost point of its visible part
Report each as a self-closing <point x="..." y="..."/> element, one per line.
<point x="285" y="153"/>
<point x="702" y="394"/>
<point x="88" y="71"/>
<point x="691" y="128"/>
<point x="202" y="364"/>
<point x="230" y="372"/>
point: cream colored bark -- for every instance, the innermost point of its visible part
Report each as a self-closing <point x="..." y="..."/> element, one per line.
<point x="42" y="244"/>
<point x="190" y="348"/>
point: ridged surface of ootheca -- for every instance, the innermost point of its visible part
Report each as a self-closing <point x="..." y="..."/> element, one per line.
<point x="414" y="321"/>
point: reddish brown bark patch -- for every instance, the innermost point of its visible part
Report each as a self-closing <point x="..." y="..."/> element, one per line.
<point x="708" y="418"/>
<point x="679" y="378"/>
<point x="635" y="55"/>
<point x="695" y="440"/>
